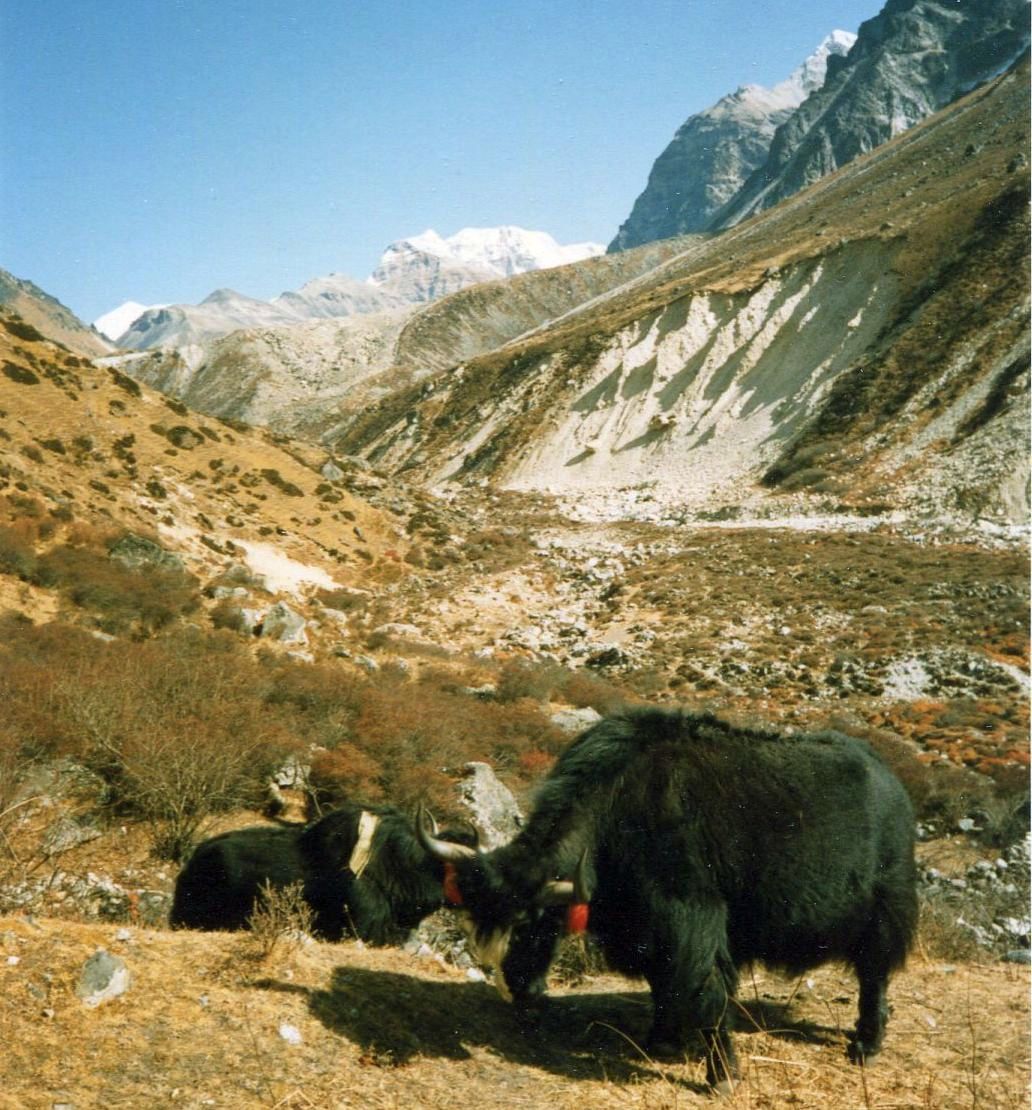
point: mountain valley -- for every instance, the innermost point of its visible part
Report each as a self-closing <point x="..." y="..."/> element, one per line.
<point x="349" y="540"/>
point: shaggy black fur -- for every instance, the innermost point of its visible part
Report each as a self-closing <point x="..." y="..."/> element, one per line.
<point x="401" y="884"/>
<point x="220" y="882"/>
<point x="708" y="847"/>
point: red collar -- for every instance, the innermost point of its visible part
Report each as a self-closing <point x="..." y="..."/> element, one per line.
<point x="576" y="912"/>
<point x="577" y="917"/>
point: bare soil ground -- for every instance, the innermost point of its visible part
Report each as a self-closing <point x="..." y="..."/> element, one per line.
<point x="203" y="1024"/>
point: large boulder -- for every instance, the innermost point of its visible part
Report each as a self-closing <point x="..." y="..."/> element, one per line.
<point x="492" y="808"/>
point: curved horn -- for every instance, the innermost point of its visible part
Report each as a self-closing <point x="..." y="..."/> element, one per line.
<point x="444" y="850"/>
<point x="564" y="892"/>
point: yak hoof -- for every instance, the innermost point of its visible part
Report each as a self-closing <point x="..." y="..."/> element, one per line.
<point x="859" y="1052"/>
<point x="665" y="1050"/>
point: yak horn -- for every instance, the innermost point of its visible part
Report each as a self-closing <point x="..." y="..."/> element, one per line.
<point x="565" y="892"/>
<point x="444" y="850"/>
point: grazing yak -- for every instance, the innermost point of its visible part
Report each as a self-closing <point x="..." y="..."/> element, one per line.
<point x="362" y="870"/>
<point x="701" y="847"/>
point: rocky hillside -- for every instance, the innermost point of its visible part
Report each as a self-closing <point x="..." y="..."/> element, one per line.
<point x="309" y="377"/>
<point x="913" y="58"/>
<point x="715" y="151"/>
<point x="864" y="344"/>
<point x="87" y="444"/>
<point x="48" y="316"/>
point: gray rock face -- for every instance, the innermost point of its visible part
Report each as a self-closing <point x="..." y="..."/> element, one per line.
<point x="913" y="58"/>
<point x="493" y="809"/>
<point x="759" y="146"/>
<point x="715" y="151"/>
<point x="574" y="721"/>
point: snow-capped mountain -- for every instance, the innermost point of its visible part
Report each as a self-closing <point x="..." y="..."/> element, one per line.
<point x="425" y="267"/>
<point x="411" y="271"/>
<point x="714" y="151"/>
<point x="119" y="320"/>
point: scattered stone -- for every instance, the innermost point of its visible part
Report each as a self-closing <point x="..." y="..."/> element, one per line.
<point x="486" y="692"/>
<point x="290" y="1033"/>
<point x="251" y="620"/>
<point x="575" y="720"/>
<point x="135" y="552"/>
<point x="222" y="593"/>
<point x="68" y="832"/>
<point x="103" y="977"/>
<point x="281" y="623"/>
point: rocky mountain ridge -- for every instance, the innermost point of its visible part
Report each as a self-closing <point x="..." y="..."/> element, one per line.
<point x="913" y="58"/>
<point x="311" y="375"/>
<point x="739" y="157"/>
<point x="715" y="151"/>
<point x="50" y="317"/>
<point x="411" y="271"/>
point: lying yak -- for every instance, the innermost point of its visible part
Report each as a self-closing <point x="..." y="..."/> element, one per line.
<point x="362" y="869"/>
<point x="701" y="847"/>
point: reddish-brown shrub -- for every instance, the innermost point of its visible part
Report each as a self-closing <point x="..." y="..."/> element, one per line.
<point x="343" y="774"/>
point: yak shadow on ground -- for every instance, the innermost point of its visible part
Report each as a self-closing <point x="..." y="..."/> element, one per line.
<point x="393" y="1018"/>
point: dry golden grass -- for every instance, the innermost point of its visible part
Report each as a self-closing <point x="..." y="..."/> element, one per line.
<point x="200" y="1026"/>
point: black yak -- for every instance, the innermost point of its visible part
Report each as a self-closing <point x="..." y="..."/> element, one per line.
<point x="220" y="882"/>
<point x="702" y="847"/>
<point x="362" y="870"/>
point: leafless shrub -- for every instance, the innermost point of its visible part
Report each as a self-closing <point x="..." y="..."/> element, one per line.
<point x="176" y="731"/>
<point x="281" y="921"/>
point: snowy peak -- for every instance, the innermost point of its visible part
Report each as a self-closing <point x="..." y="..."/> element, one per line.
<point x="494" y="251"/>
<point x="809" y="77"/>
<point x="513" y="250"/>
<point x="803" y="80"/>
<point x="910" y="60"/>
<point x="119" y="320"/>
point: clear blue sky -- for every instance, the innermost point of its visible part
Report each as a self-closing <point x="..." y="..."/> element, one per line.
<point x="155" y="150"/>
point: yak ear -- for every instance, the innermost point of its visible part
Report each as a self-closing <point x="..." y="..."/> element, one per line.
<point x="565" y="892"/>
<point x="444" y="850"/>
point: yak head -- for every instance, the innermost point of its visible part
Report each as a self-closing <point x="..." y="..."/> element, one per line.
<point x="513" y="923"/>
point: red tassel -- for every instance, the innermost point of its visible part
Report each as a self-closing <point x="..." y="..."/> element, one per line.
<point x="452" y="894"/>
<point x="577" y="917"/>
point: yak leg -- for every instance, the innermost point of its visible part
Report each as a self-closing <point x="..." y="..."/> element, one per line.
<point x="873" y="963"/>
<point x="693" y="982"/>
<point x="874" y="1013"/>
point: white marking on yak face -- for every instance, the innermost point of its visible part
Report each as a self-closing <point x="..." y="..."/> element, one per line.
<point x="362" y="850"/>
<point x="489" y="950"/>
